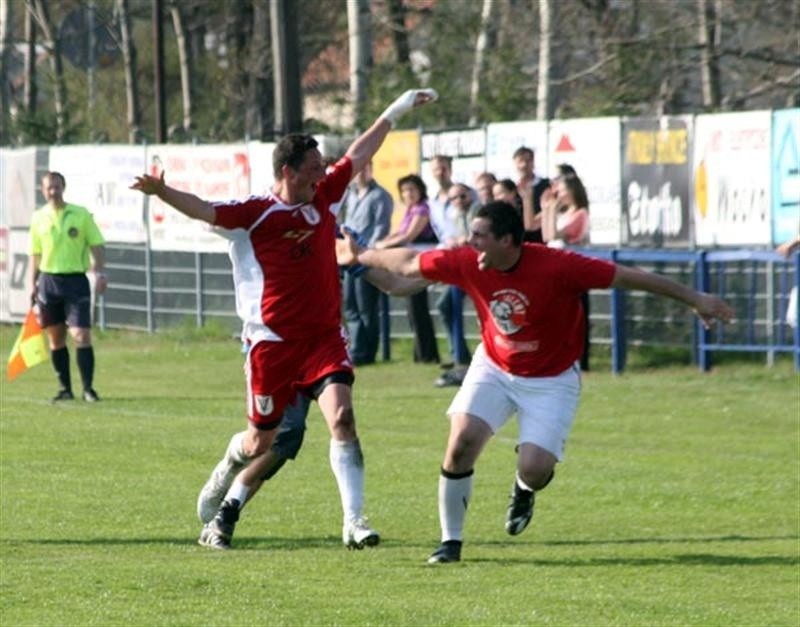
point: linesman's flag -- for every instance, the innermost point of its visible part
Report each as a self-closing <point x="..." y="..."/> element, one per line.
<point x="29" y="349"/>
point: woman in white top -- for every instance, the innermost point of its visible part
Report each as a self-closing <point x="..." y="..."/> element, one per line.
<point x="565" y="212"/>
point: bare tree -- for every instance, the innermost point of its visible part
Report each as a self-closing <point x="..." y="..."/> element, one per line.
<point x="359" y="26"/>
<point x="41" y="12"/>
<point x="258" y="122"/>
<point x="184" y="61"/>
<point x="397" y="16"/>
<point x="129" y="60"/>
<point x="479" y="64"/>
<point x="543" y="109"/>
<point x="706" y="40"/>
<point x="30" y="93"/>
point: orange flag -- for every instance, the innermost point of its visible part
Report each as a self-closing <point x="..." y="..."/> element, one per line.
<point x="29" y="349"/>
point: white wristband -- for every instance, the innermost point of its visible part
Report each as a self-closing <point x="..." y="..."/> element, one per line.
<point x="405" y="103"/>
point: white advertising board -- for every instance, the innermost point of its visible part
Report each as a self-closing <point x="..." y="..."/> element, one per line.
<point x="592" y="147"/>
<point x="99" y="178"/>
<point x="503" y="138"/>
<point x="18" y="184"/>
<point x="219" y="172"/>
<point x="732" y="163"/>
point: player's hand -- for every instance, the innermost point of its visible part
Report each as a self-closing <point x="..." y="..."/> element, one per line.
<point x="410" y="99"/>
<point x="710" y="308"/>
<point x="149" y="184"/>
<point x="100" y="282"/>
<point x="346" y="250"/>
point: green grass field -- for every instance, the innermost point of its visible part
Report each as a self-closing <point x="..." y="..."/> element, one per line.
<point x="678" y="503"/>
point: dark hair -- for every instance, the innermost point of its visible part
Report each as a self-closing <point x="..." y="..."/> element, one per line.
<point x="446" y="158"/>
<point x="486" y="175"/>
<point x="576" y="188"/>
<point x="523" y="151"/>
<point x="565" y="169"/>
<point x="504" y="220"/>
<point x="56" y="175"/>
<point x="291" y="151"/>
<point x="508" y="185"/>
<point x="417" y="182"/>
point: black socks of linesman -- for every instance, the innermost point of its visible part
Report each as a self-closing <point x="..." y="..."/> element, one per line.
<point x="85" y="359"/>
<point x="60" y="359"/>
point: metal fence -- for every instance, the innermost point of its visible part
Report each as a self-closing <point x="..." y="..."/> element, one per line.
<point x="152" y="290"/>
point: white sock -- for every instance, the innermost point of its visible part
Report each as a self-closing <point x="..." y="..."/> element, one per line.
<point x="347" y="464"/>
<point x="523" y="485"/>
<point x="235" y="451"/>
<point x="454" y="495"/>
<point x="237" y="491"/>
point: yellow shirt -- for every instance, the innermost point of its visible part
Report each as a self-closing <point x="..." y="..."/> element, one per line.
<point x="63" y="238"/>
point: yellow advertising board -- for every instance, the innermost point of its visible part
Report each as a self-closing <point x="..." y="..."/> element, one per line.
<point x="399" y="155"/>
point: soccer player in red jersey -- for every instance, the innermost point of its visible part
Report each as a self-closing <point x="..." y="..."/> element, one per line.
<point x="288" y="296"/>
<point x="527" y="298"/>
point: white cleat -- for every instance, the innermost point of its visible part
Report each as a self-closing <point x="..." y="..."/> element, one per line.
<point x="216" y="488"/>
<point x="356" y="534"/>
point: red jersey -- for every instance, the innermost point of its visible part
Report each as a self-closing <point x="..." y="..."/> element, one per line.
<point x="531" y="316"/>
<point x="284" y="260"/>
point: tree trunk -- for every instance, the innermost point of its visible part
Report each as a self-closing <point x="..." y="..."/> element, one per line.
<point x="30" y="94"/>
<point x="6" y="15"/>
<point x="543" y="109"/>
<point x="709" y="68"/>
<point x="42" y="16"/>
<point x="131" y="85"/>
<point x="399" y="32"/>
<point x="360" y="34"/>
<point x="479" y="64"/>
<point x="259" y="94"/>
<point x="185" y="64"/>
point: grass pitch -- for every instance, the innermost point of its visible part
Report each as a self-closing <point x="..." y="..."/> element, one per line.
<point x="678" y="503"/>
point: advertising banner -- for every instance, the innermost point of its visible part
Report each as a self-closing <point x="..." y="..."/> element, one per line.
<point x="16" y="274"/>
<point x="18" y="186"/>
<point x="656" y="178"/>
<point x="732" y="162"/>
<point x="398" y="156"/>
<point x="261" y="172"/>
<point x="219" y="172"/>
<point x="503" y="138"/>
<point x="591" y="146"/>
<point x="467" y="149"/>
<point x="785" y="175"/>
<point x="99" y="178"/>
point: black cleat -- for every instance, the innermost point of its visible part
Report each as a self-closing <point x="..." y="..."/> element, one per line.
<point x="63" y="395"/>
<point x="218" y="533"/>
<point x="90" y="396"/>
<point x="520" y="510"/>
<point x="448" y="551"/>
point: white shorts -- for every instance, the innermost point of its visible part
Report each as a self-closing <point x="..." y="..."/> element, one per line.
<point x="545" y="406"/>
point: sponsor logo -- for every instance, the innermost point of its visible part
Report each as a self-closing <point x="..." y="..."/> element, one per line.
<point x="264" y="405"/>
<point x="72" y="232"/>
<point x="508" y="308"/>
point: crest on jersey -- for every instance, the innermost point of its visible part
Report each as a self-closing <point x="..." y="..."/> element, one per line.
<point x="264" y="405"/>
<point x="508" y="308"/>
<point x="310" y="213"/>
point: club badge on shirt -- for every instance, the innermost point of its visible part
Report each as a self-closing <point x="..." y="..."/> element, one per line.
<point x="508" y="308"/>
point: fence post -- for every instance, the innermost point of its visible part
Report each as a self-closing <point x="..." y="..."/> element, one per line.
<point x="702" y="283"/>
<point x="386" y="325"/>
<point x="618" y="343"/>
<point x="198" y="288"/>
<point x="796" y="328"/>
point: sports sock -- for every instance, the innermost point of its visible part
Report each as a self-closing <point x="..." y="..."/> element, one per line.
<point x="347" y="463"/>
<point x="235" y="451"/>
<point x="84" y="355"/>
<point x="237" y="493"/>
<point x="455" y="490"/>
<point x="522" y="485"/>
<point x="60" y="359"/>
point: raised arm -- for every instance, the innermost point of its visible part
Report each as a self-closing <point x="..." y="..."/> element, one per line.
<point x="188" y="204"/>
<point x="367" y="144"/>
<point x="401" y="261"/>
<point x="707" y="306"/>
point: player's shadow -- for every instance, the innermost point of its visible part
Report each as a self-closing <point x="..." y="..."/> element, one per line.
<point x="694" y="559"/>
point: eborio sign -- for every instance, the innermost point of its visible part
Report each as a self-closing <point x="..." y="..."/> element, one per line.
<point x="656" y="176"/>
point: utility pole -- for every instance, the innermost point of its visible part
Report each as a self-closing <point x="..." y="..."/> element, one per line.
<point x="286" y="67"/>
<point x="158" y="71"/>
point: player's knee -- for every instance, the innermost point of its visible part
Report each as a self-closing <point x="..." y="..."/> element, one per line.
<point x="537" y="474"/>
<point x="257" y="442"/>
<point x="343" y="426"/>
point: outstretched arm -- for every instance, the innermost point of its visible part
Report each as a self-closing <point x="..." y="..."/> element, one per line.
<point x="402" y="261"/>
<point x="188" y="204"/>
<point x="707" y="306"/>
<point x="367" y="144"/>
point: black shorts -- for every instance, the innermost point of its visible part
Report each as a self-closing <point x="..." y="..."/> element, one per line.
<point x="64" y="298"/>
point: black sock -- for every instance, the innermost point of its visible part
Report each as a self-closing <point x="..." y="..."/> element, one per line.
<point x="60" y="359"/>
<point x="85" y="359"/>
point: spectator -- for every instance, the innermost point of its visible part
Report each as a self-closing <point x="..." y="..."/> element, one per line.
<point x="484" y="183"/>
<point x="787" y="249"/>
<point x="530" y="184"/>
<point x="415" y="228"/>
<point x="505" y="190"/>
<point x="369" y="211"/>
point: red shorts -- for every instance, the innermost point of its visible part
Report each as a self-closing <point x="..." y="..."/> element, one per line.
<point x="275" y="371"/>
